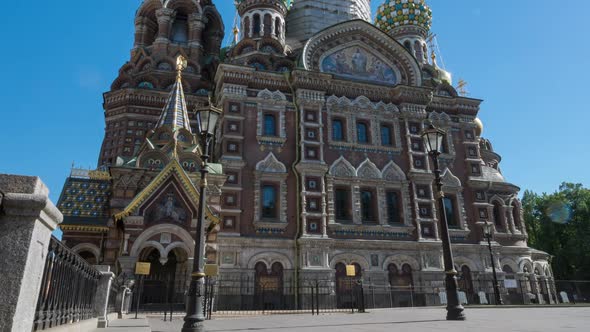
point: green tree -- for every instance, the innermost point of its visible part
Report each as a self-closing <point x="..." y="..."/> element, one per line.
<point x="559" y="224"/>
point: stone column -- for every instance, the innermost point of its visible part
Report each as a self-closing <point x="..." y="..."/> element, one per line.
<point x="140" y="31"/>
<point x="27" y="219"/>
<point x="164" y="16"/>
<point x="196" y="24"/>
<point x="103" y="290"/>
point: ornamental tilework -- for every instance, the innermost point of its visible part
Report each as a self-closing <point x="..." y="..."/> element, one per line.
<point x="85" y="198"/>
<point x="396" y="13"/>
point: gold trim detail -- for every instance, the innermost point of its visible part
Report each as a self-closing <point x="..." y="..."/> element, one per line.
<point x="83" y="228"/>
<point x="172" y="168"/>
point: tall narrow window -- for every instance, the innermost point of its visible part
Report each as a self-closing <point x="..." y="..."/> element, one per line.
<point x="362" y="132"/>
<point x="180" y="30"/>
<point x="337" y="130"/>
<point x="342" y="204"/>
<point x="269" y="201"/>
<point x="270" y="125"/>
<point x="451" y="212"/>
<point x="386" y="138"/>
<point x="393" y="210"/>
<point x="497" y="213"/>
<point x="367" y="205"/>
<point x="256" y="25"/>
<point x="278" y="27"/>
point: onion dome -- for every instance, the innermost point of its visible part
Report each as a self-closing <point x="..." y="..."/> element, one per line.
<point x="403" y="13"/>
<point x="244" y="4"/>
<point x="478" y="127"/>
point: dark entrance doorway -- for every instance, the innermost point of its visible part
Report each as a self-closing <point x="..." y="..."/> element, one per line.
<point x="268" y="287"/>
<point x="166" y="284"/>
<point x="345" y="286"/>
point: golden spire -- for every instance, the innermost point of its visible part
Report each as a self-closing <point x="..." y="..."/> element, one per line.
<point x="181" y="65"/>
<point x="433" y="57"/>
<point x="236" y="32"/>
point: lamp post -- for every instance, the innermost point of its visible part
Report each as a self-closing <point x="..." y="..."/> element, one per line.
<point x="487" y="233"/>
<point x="433" y="139"/>
<point x="195" y="316"/>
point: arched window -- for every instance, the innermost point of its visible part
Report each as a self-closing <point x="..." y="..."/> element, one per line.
<point x="267" y="25"/>
<point x="516" y="216"/>
<point x="451" y="212"/>
<point x="466" y="280"/>
<point x="408" y="45"/>
<point x="368" y="207"/>
<point x="256" y="26"/>
<point x="270" y="125"/>
<point x="180" y="30"/>
<point x="88" y="257"/>
<point x="269" y="201"/>
<point x="497" y="214"/>
<point x="386" y="138"/>
<point x="362" y="132"/>
<point x="418" y="49"/>
<point x="337" y="130"/>
<point x="246" y="27"/>
<point x="278" y="27"/>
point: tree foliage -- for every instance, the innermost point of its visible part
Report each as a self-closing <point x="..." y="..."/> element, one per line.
<point x="559" y="224"/>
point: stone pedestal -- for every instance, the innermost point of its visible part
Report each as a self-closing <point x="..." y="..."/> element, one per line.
<point x="103" y="291"/>
<point x="27" y="219"/>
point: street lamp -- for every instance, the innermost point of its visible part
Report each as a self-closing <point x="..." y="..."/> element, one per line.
<point x="433" y="139"/>
<point x="488" y="234"/>
<point x="207" y="119"/>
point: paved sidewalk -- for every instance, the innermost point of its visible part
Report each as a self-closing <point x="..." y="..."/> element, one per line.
<point x="548" y="319"/>
<point x="128" y="324"/>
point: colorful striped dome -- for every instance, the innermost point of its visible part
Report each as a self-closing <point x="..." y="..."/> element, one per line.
<point x="398" y="13"/>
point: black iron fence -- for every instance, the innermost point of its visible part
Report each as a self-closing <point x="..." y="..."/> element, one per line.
<point x="247" y="294"/>
<point x="67" y="290"/>
<point x="573" y="291"/>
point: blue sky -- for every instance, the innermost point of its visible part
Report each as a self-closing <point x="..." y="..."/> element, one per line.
<point x="527" y="59"/>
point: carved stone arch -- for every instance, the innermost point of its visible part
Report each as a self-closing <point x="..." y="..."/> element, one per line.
<point x="363" y="102"/>
<point x="92" y="248"/>
<point x="152" y="154"/>
<point x="445" y="89"/>
<point x="399" y="260"/>
<point x="190" y="6"/>
<point x="149" y="7"/>
<point x="525" y="262"/>
<point x="471" y="264"/>
<point x="498" y="199"/>
<point x="269" y="258"/>
<point x="450" y="180"/>
<point x="275" y="44"/>
<point x="363" y="34"/>
<point x="175" y="245"/>
<point x="122" y="82"/>
<point x="392" y="172"/>
<point x="509" y="262"/>
<point x="260" y="59"/>
<point x="537" y="266"/>
<point x="154" y="245"/>
<point x="283" y="63"/>
<point x="143" y="64"/>
<point x="349" y="259"/>
<point x="342" y="168"/>
<point x="271" y="164"/>
<point x="368" y="170"/>
<point x="238" y="49"/>
<point x="332" y="100"/>
<point x="267" y="94"/>
<point x="147" y="234"/>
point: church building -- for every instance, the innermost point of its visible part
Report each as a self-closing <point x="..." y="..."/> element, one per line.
<point x="318" y="160"/>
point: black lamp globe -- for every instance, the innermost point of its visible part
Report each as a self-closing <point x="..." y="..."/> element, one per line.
<point x="207" y="120"/>
<point x="433" y="139"/>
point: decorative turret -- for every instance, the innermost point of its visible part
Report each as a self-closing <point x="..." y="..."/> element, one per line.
<point x="409" y="22"/>
<point x="263" y="18"/>
<point x="172" y="138"/>
<point x="308" y="17"/>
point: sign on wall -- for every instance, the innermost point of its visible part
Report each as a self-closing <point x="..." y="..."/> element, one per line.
<point x="142" y="269"/>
